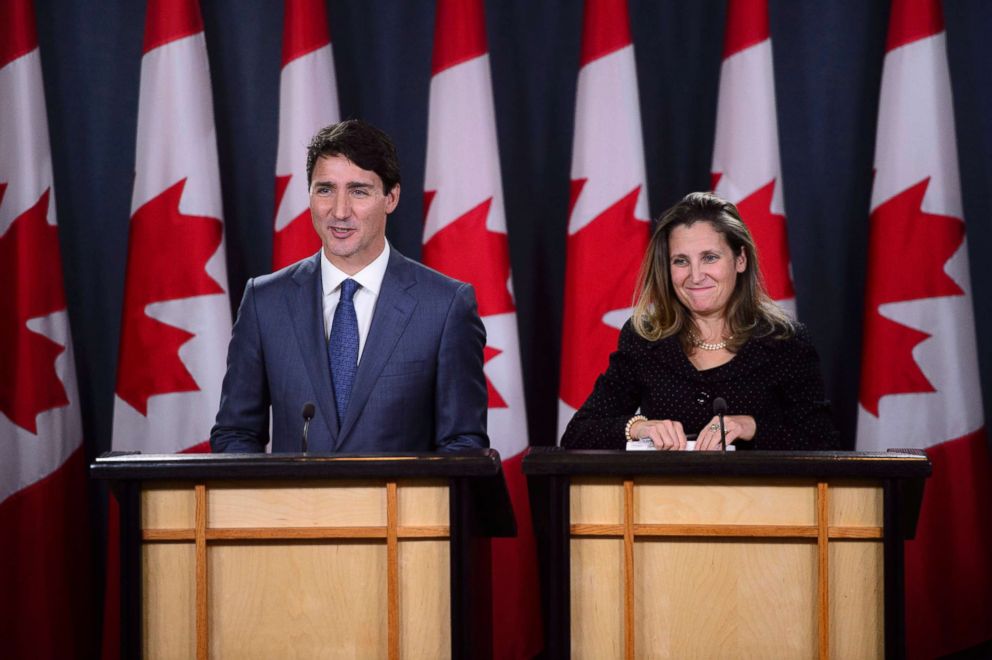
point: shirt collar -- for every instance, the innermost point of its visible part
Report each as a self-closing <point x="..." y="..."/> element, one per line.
<point x="369" y="278"/>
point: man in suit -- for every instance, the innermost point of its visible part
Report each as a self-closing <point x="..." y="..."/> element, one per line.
<point x="389" y="351"/>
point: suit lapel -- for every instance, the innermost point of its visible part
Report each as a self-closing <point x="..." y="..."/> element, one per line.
<point x="393" y="311"/>
<point x="306" y="311"/>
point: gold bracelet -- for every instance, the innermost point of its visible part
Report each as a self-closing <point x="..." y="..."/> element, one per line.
<point x="630" y="422"/>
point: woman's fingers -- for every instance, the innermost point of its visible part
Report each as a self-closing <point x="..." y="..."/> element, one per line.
<point x="666" y="434"/>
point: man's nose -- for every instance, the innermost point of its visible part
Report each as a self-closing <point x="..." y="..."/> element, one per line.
<point x="341" y="207"/>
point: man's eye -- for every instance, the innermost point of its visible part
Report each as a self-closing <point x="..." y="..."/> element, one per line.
<point x="360" y="192"/>
<point x="322" y="190"/>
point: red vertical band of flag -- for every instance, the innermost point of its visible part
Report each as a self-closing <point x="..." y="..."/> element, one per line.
<point x="45" y="577"/>
<point x="605" y="29"/>
<point x="948" y="561"/>
<point x="304" y="28"/>
<point x="463" y="25"/>
<point x="17" y="29"/>
<point x="169" y="20"/>
<point x="747" y="25"/>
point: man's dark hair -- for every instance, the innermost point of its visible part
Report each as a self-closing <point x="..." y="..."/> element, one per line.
<point x="361" y="143"/>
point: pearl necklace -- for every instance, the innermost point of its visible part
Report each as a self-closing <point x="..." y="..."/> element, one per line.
<point x="699" y="343"/>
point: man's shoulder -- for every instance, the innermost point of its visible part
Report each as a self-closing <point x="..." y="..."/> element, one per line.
<point x="414" y="272"/>
<point x="292" y="275"/>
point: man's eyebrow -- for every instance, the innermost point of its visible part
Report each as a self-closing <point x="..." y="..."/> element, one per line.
<point x="359" y="184"/>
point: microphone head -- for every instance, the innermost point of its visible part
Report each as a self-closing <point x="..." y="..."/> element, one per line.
<point x="309" y="410"/>
<point x="719" y="406"/>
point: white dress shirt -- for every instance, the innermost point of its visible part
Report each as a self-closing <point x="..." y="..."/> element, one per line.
<point x="370" y="279"/>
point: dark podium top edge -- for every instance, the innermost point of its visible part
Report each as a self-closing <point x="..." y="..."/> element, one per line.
<point x="898" y="464"/>
<point x="144" y="467"/>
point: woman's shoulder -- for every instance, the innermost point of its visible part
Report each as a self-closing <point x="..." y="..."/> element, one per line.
<point x="794" y="336"/>
<point x="631" y="340"/>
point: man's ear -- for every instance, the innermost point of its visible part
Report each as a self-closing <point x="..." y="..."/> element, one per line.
<point x="392" y="199"/>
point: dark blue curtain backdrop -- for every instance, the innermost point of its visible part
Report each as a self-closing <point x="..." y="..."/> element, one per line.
<point x="828" y="60"/>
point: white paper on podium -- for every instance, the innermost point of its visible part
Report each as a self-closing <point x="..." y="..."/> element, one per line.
<point x="646" y="445"/>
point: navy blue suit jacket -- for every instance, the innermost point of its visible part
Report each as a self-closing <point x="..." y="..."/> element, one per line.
<point x="419" y="386"/>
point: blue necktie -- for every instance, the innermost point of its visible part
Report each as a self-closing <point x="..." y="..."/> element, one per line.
<point x="342" y="347"/>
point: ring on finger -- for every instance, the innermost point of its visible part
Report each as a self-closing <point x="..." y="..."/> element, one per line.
<point x="714" y="426"/>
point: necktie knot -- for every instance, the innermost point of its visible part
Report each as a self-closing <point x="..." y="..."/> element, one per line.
<point x="348" y="289"/>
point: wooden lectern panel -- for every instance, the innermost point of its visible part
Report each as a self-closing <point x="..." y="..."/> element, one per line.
<point x="167" y="506"/>
<point x="744" y="502"/>
<point x="425" y="601"/>
<point x="320" y="600"/>
<point x="422" y="503"/>
<point x="597" y="501"/>
<point x="301" y="505"/>
<point x="724" y="599"/>
<point x="169" y="589"/>
<point x="857" y="599"/>
<point x="855" y="503"/>
<point x="597" y="598"/>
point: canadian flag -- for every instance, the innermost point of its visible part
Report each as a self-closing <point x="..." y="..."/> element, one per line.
<point x="919" y="381"/>
<point x="465" y="237"/>
<point x="177" y="315"/>
<point x="608" y="227"/>
<point x="308" y="101"/>
<point x="44" y="564"/>
<point x="746" y="167"/>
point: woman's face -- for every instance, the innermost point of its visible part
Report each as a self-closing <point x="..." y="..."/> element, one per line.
<point x="703" y="268"/>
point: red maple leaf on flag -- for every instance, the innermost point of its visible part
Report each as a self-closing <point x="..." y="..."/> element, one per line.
<point x="168" y="253"/>
<point x="768" y="231"/>
<point x="467" y="250"/>
<point x="297" y="240"/>
<point x="908" y="249"/>
<point x="31" y="275"/>
<point x="601" y="270"/>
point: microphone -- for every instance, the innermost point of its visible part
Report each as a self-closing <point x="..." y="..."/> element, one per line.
<point x="308" y="412"/>
<point x="720" y="409"/>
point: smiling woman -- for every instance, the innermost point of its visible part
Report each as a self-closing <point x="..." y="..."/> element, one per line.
<point x="704" y="328"/>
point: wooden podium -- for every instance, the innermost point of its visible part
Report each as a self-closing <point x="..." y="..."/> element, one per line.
<point x="258" y="556"/>
<point x="726" y="555"/>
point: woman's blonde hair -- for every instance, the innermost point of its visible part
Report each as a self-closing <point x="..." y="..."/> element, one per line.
<point x="658" y="313"/>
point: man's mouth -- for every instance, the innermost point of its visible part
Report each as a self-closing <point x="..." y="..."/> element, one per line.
<point x="341" y="232"/>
